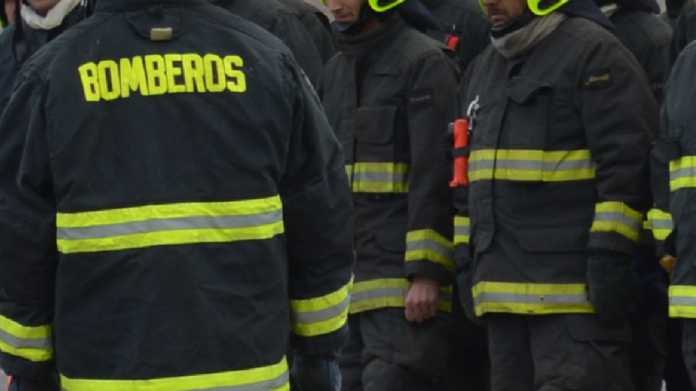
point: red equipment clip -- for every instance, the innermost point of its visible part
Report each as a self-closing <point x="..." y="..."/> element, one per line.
<point x="452" y="41"/>
<point x="461" y="161"/>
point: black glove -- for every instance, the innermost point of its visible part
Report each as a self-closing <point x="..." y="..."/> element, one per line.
<point x="316" y="372"/>
<point x="23" y="384"/>
<point x="465" y="281"/>
<point x="613" y="287"/>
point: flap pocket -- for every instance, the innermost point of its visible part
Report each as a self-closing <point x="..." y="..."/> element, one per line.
<point x="392" y="238"/>
<point x="375" y="125"/>
<point x="589" y="328"/>
<point x="667" y="150"/>
<point x="522" y="89"/>
<point x="555" y="239"/>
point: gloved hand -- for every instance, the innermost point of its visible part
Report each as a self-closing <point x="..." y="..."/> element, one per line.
<point x="613" y="287"/>
<point x="316" y="372"/>
<point x="465" y="282"/>
<point x="23" y="384"/>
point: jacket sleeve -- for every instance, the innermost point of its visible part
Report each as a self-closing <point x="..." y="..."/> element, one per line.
<point x="432" y="105"/>
<point x="462" y="218"/>
<point x="620" y="117"/>
<point x="293" y="33"/>
<point x="318" y="217"/>
<point x="28" y="248"/>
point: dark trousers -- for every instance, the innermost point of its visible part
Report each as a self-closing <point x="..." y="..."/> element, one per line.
<point x="676" y="375"/>
<point x="689" y="348"/>
<point x="648" y="352"/>
<point x="558" y="353"/>
<point x="388" y="353"/>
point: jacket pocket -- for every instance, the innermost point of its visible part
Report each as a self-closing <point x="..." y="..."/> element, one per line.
<point x="528" y="111"/>
<point x="555" y="239"/>
<point x="374" y="132"/>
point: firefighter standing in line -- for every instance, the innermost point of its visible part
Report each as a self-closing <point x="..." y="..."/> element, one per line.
<point x="561" y="117"/>
<point x="318" y="26"/>
<point x="41" y="22"/>
<point x="389" y="95"/>
<point x="465" y="27"/>
<point x="647" y="37"/>
<point x="284" y="23"/>
<point x="673" y="186"/>
<point x="154" y="223"/>
<point x="684" y="32"/>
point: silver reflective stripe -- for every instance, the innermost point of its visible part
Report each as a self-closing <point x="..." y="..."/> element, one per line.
<point x="462" y="230"/>
<point x="172" y="224"/>
<point x="267" y="385"/>
<point x="685" y="301"/>
<point x="25" y="343"/>
<point x="510" y="164"/>
<point x="661" y="224"/>
<point x="400" y="293"/>
<point x="371" y="176"/>
<point x="429" y="244"/>
<point x="684" y="172"/>
<point x="619" y="217"/>
<point x="517" y="298"/>
<point x="321" y="315"/>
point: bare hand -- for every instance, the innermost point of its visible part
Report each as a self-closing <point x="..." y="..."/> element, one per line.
<point x="421" y="302"/>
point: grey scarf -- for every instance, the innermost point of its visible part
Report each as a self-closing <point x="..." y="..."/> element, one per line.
<point x="53" y="18"/>
<point x="523" y="40"/>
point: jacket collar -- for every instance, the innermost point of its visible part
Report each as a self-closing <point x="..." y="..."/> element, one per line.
<point x="123" y="5"/>
<point x="359" y="46"/>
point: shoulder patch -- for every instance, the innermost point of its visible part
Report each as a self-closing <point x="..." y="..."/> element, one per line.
<point x="421" y="99"/>
<point x="598" y="79"/>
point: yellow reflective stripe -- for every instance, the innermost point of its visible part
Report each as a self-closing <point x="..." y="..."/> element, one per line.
<point x="31" y="343"/>
<point x="380" y="177"/>
<point x="390" y="292"/>
<point x="682" y="173"/>
<point x="617" y="217"/>
<point x="531" y="165"/>
<point x="271" y="378"/>
<point x="321" y="315"/>
<point x="661" y="223"/>
<point x="155" y="225"/>
<point x="430" y="246"/>
<point x="682" y="301"/>
<point x="530" y="299"/>
<point x="462" y="230"/>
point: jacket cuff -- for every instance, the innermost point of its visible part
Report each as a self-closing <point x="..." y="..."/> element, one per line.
<point x="430" y="270"/>
<point x="430" y="254"/>
<point x="321" y="344"/>
<point x="616" y="227"/>
<point x="23" y="368"/>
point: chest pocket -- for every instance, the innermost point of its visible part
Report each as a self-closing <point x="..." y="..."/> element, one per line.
<point x="521" y="156"/>
<point x="374" y="134"/>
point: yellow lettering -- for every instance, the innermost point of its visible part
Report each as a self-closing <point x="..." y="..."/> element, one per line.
<point x="90" y="81"/>
<point x="214" y="67"/>
<point x="156" y="74"/>
<point x="110" y="83"/>
<point x="239" y="82"/>
<point x="193" y="72"/>
<point x="133" y="77"/>
<point x="172" y="72"/>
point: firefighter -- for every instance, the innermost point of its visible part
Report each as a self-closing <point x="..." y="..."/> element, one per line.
<point x="673" y="186"/>
<point x="389" y="95"/>
<point x="155" y="230"/>
<point x="561" y="122"/>
<point x="465" y="27"/>
<point x="7" y="13"/>
<point x="647" y="37"/>
<point x="318" y="26"/>
<point x="684" y="32"/>
<point x="284" y="23"/>
<point x="41" y="22"/>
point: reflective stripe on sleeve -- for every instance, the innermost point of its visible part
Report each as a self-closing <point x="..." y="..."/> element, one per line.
<point x="389" y="293"/>
<point x="379" y="177"/>
<point x="682" y="173"/>
<point x="617" y="217"/>
<point x="270" y="378"/>
<point x="530" y="299"/>
<point x="321" y="315"/>
<point x="531" y="165"/>
<point x="661" y="224"/>
<point x="428" y="245"/>
<point x="462" y="230"/>
<point x="171" y="224"/>
<point x="31" y="343"/>
<point x="682" y="301"/>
